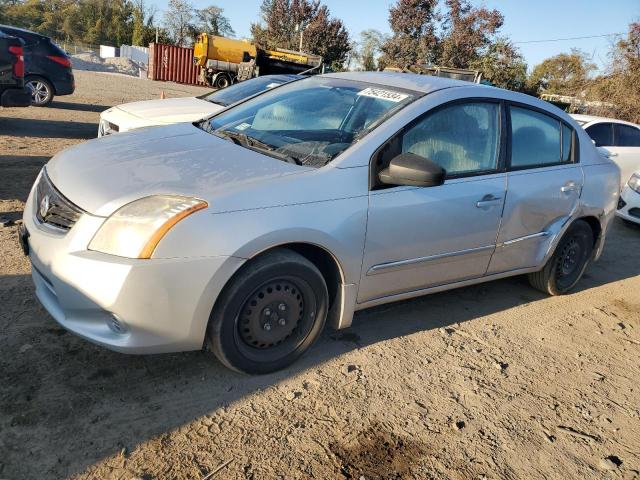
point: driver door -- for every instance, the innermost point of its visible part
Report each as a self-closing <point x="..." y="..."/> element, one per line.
<point x="424" y="237"/>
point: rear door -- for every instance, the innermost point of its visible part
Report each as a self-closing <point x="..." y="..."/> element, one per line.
<point x="626" y="150"/>
<point x="544" y="186"/>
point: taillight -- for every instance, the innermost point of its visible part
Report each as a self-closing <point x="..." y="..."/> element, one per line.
<point x="64" y="61"/>
<point x="18" y="67"/>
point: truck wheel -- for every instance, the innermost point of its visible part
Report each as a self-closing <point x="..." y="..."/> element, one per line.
<point x="41" y="90"/>
<point x="565" y="268"/>
<point x="222" y="81"/>
<point x="269" y="314"/>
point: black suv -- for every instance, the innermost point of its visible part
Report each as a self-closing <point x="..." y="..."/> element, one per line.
<point x="12" y="90"/>
<point x="48" y="67"/>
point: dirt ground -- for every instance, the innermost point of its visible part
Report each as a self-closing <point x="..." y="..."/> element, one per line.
<point x="492" y="381"/>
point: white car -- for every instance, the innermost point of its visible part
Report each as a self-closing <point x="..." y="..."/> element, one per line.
<point x="176" y="110"/>
<point x="619" y="140"/>
<point x="629" y="203"/>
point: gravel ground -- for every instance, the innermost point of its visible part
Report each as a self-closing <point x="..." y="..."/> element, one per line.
<point x="492" y="381"/>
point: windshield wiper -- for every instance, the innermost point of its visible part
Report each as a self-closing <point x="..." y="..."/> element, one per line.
<point x="253" y="143"/>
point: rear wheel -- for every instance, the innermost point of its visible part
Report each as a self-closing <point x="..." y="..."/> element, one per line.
<point x="565" y="268"/>
<point x="270" y="314"/>
<point x="41" y="91"/>
<point x="222" y="81"/>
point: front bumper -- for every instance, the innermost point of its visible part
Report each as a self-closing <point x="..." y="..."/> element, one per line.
<point x="629" y="205"/>
<point x="127" y="305"/>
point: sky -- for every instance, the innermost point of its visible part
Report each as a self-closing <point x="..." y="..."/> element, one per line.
<point x="524" y="21"/>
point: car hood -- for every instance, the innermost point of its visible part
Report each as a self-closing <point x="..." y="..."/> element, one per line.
<point x="103" y="174"/>
<point x="171" y="110"/>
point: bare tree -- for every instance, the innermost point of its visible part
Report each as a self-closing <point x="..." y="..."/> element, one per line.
<point x="371" y="41"/>
<point x="212" y="21"/>
<point x="178" y="21"/>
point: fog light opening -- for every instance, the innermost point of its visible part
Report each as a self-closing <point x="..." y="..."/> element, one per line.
<point x="116" y="325"/>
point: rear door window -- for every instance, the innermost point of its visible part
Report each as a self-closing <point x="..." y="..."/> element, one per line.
<point x="626" y="136"/>
<point x="601" y="133"/>
<point x="538" y="140"/>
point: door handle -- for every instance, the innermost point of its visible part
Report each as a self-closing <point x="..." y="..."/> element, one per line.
<point x="488" y="201"/>
<point x="569" y="187"/>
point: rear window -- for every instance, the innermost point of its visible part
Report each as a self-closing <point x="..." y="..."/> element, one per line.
<point x="54" y="48"/>
<point x="246" y="89"/>
<point x="626" y="136"/>
<point x="538" y="139"/>
<point x="601" y="134"/>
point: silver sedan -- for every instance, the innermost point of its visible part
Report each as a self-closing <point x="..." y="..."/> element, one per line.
<point x="252" y="229"/>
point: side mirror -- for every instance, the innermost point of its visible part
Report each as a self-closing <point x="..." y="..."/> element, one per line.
<point x="412" y="170"/>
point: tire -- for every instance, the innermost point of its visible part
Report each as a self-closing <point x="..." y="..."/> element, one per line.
<point x="565" y="268"/>
<point x="249" y="329"/>
<point x="222" y="81"/>
<point x="41" y="90"/>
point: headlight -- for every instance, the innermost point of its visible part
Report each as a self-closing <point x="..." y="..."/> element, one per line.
<point x="135" y="229"/>
<point x="634" y="182"/>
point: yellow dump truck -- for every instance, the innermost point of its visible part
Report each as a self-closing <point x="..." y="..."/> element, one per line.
<point x="223" y="61"/>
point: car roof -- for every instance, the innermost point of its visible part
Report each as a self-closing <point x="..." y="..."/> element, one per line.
<point x="407" y="81"/>
<point x="21" y="31"/>
<point x="595" y="119"/>
<point x="282" y="76"/>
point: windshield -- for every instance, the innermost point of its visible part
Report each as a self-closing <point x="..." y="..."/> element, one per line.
<point x="246" y="89"/>
<point x="311" y="121"/>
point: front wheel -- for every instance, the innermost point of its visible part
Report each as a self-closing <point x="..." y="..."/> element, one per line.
<point x="41" y="91"/>
<point x="271" y="312"/>
<point x="565" y="268"/>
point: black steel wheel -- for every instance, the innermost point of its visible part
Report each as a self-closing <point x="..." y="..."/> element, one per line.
<point x="565" y="268"/>
<point x="270" y="313"/>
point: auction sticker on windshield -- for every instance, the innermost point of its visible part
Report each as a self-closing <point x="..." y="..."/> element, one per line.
<point x="383" y="94"/>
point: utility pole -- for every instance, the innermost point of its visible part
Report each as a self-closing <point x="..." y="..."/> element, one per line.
<point x="301" y="35"/>
<point x="300" y="27"/>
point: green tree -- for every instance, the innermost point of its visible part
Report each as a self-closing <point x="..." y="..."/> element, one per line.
<point x="468" y="32"/>
<point x="281" y="21"/>
<point x="618" y="87"/>
<point x="566" y="74"/>
<point x="502" y="65"/>
<point x="414" y="39"/>
<point x="457" y="37"/>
